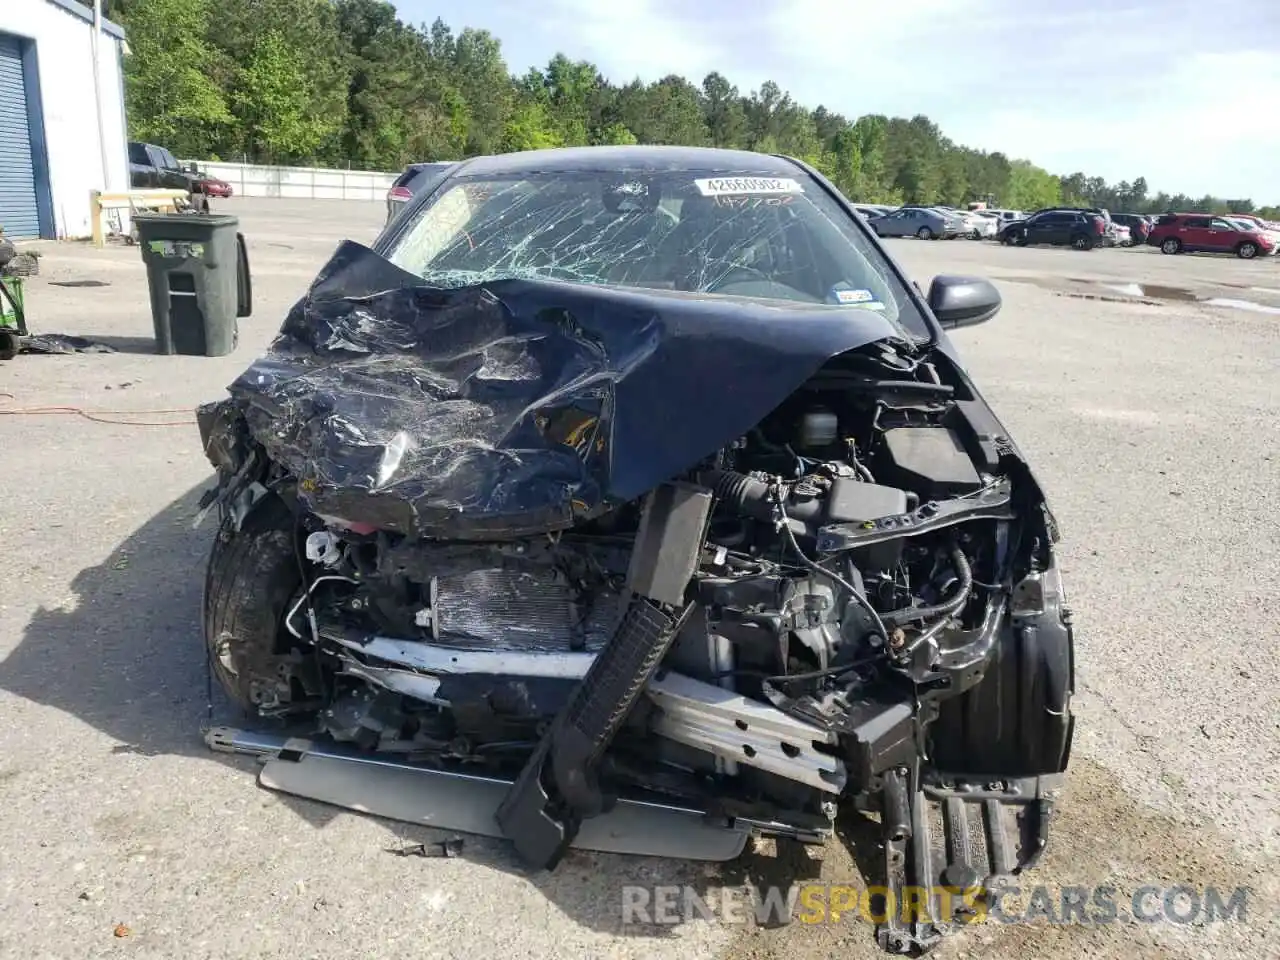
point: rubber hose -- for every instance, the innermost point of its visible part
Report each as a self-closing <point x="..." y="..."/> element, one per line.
<point x="947" y="607"/>
<point x="745" y="494"/>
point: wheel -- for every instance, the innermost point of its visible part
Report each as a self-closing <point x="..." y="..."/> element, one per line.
<point x="1172" y="245"/>
<point x="251" y="581"/>
<point x="924" y="233"/>
<point x="1017" y="721"/>
<point x="8" y="345"/>
<point x="1247" y="250"/>
<point x="1081" y="242"/>
<point x="976" y="234"/>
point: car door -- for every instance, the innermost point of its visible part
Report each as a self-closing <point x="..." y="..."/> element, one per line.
<point x="1039" y="228"/>
<point x="896" y="224"/>
<point x="1194" y="233"/>
<point x="168" y="176"/>
<point x="1222" y="236"/>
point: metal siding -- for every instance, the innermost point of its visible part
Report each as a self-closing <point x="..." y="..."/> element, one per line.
<point x="19" y="211"/>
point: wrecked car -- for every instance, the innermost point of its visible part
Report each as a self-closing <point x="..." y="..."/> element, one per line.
<point x="633" y="499"/>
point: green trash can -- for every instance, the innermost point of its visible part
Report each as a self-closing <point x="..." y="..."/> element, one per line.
<point x="198" y="272"/>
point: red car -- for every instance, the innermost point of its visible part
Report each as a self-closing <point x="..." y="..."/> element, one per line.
<point x="1203" y="233"/>
<point x="211" y="187"/>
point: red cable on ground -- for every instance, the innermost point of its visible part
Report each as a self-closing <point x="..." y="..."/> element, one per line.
<point x="102" y="416"/>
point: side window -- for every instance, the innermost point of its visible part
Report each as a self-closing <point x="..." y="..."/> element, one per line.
<point x="166" y="160"/>
<point x="138" y="154"/>
<point x="1198" y="223"/>
<point x="1217" y="224"/>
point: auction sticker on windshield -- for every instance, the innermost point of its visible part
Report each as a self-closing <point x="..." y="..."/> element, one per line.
<point x="738" y="186"/>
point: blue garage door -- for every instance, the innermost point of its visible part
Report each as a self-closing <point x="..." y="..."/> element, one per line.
<point x="18" y="212"/>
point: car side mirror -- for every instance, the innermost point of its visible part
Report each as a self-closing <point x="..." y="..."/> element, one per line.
<point x="191" y="168"/>
<point x="963" y="301"/>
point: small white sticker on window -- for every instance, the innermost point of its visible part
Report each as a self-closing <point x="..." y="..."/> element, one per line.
<point x="855" y="296"/>
<point x="741" y="186"/>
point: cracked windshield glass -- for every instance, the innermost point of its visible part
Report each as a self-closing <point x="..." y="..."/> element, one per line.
<point x="765" y="238"/>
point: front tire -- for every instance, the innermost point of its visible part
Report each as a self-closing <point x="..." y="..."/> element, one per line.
<point x="924" y="233"/>
<point x="1081" y="242"/>
<point x="1247" y="250"/>
<point x="1171" y="246"/>
<point x="251" y="581"/>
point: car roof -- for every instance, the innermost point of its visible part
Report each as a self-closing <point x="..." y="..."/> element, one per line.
<point x="648" y="157"/>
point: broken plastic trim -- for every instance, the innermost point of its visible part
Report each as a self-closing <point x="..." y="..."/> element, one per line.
<point x="391" y="788"/>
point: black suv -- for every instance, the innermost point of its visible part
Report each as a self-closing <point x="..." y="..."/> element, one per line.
<point x="1102" y="212"/>
<point x="1080" y="229"/>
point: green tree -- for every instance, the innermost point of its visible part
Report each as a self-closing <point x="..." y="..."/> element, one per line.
<point x="723" y="112"/>
<point x="271" y="102"/>
<point x="528" y="127"/>
<point x="170" y="94"/>
<point x="316" y="89"/>
<point x="481" y="77"/>
<point x="616" y="135"/>
<point x="1031" y="188"/>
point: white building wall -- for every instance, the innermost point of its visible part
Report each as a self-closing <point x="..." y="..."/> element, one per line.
<point x="63" y="48"/>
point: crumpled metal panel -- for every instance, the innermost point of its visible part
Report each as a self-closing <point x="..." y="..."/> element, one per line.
<point x="517" y="406"/>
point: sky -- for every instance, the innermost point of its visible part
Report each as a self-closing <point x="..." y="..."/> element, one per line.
<point x="1183" y="92"/>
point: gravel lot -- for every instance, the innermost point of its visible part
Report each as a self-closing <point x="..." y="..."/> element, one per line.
<point x="1152" y="422"/>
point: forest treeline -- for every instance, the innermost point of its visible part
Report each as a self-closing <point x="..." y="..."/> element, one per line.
<point x="346" y="83"/>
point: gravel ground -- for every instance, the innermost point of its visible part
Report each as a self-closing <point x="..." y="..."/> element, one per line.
<point x="1152" y="423"/>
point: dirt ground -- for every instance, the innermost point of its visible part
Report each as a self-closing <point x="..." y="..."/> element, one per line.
<point x="1150" y="415"/>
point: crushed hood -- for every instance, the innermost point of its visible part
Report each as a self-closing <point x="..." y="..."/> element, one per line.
<point x="517" y="406"/>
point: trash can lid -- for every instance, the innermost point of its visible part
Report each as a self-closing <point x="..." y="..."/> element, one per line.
<point x="201" y="219"/>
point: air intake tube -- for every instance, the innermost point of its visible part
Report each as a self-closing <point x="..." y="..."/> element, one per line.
<point x="750" y="497"/>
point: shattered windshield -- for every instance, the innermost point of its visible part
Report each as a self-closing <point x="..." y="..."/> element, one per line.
<point x="766" y="238"/>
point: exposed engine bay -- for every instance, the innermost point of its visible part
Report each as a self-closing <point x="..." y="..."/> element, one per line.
<point x="803" y="619"/>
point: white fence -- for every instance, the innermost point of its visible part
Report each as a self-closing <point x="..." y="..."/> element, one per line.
<point x="306" y="183"/>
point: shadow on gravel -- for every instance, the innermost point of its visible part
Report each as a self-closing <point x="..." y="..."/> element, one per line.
<point x="123" y="654"/>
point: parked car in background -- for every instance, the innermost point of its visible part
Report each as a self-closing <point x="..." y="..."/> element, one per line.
<point x="154" y="168"/>
<point x="1254" y="219"/>
<point x="1253" y="223"/>
<point x="1073" y="228"/>
<point x="415" y="178"/>
<point x="867" y="211"/>
<point x="1005" y="217"/>
<point x="926" y="223"/>
<point x="1139" y="226"/>
<point x="1202" y="233"/>
<point x="978" y="226"/>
